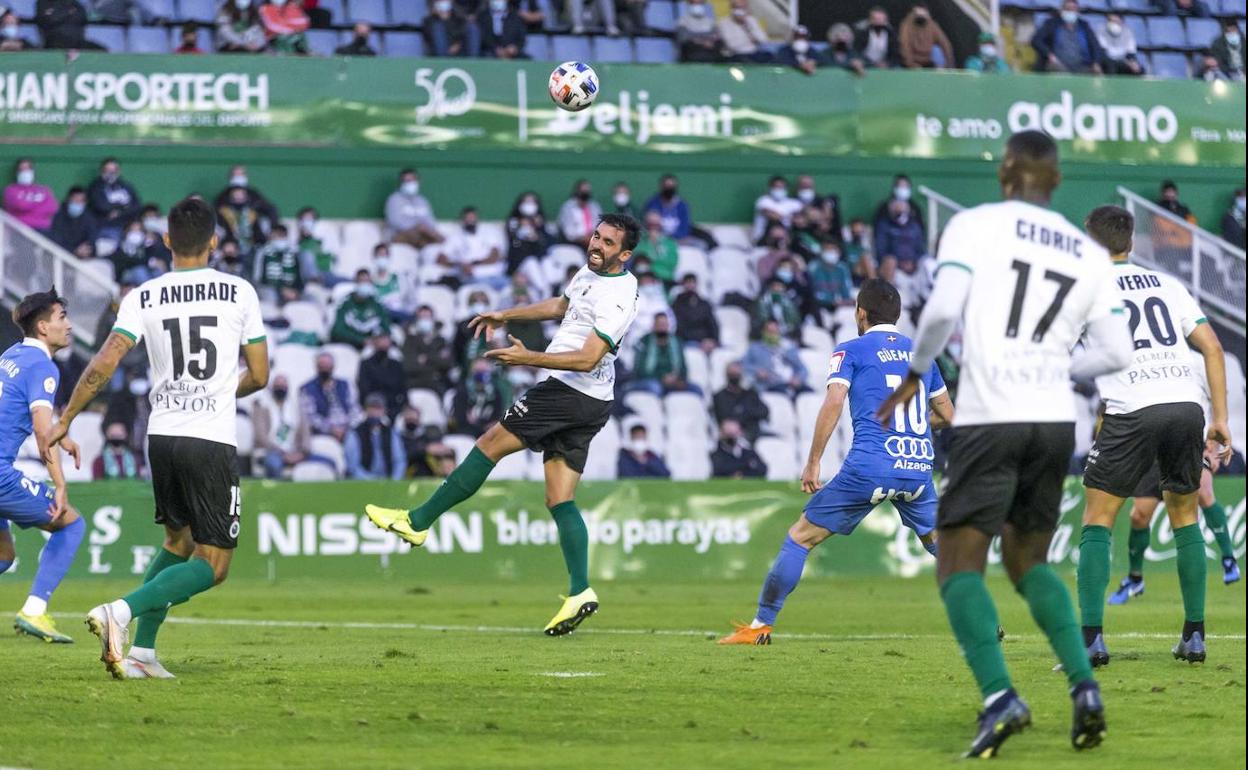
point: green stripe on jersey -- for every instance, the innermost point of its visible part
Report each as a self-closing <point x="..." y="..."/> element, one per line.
<point x="120" y="330"/>
<point x="951" y="263"/>
<point x="614" y="347"/>
<point x="254" y="340"/>
<point x="1202" y="320"/>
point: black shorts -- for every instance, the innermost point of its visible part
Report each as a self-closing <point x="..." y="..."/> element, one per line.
<point x="557" y="420"/>
<point x="196" y="484"/>
<point x="1170" y="436"/>
<point x="1008" y="473"/>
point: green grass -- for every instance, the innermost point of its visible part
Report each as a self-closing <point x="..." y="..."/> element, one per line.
<point x="329" y="696"/>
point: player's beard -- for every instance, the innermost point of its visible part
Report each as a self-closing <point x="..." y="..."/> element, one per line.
<point x="599" y="262"/>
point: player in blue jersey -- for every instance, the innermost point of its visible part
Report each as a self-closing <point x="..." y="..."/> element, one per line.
<point x="28" y="381"/>
<point x="890" y="462"/>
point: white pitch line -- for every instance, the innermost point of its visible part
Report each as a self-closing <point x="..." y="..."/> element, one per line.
<point x="262" y="623"/>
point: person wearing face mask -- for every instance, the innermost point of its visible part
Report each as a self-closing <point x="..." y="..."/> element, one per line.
<point x="360" y="316"/>
<point x="409" y="217"/>
<point x="10" y="34"/>
<point x="733" y="457"/>
<point x="741" y="35"/>
<point x="74" y="227"/>
<point x="901" y="246"/>
<point x="697" y="34"/>
<point x="266" y="212"/>
<point x="117" y="460"/>
<point x="528" y="332"/>
<point x="374" y="449"/>
<point x="622" y="201"/>
<point x="1233" y="220"/>
<point x="773" y="363"/>
<point x="673" y="211"/>
<point x="113" y="200"/>
<point x="776" y="304"/>
<point x="381" y="372"/>
<point x="1228" y="49"/>
<point x="503" y="32"/>
<point x="393" y="291"/>
<point x="988" y="57"/>
<point x="120" y="11"/>
<point x="903" y="190"/>
<point x="130" y="260"/>
<point x="239" y="28"/>
<point x="467" y="344"/>
<point x="528" y="235"/>
<point x="922" y="43"/>
<point x="875" y="41"/>
<point x="479" y="401"/>
<point x="774" y="207"/>
<point x="659" y="362"/>
<point x="427" y="357"/>
<point x="799" y="54"/>
<point x="189" y="36"/>
<point x="828" y="205"/>
<point x="316" y="261"/>
<point x="230" y="260"/>
<point x="1066" y="42"/>
<point x="579" y="214"/>
<point x="1119" y="47"/>
<point x="740" y="402"/>
<point x="241" y="222"/>
<point x="278" y="273"/>
<point x="427" y="456"/>
<point x="34" y="205"/>
<point x="1196" y="8"/>
<point x="360" y="44"/>
<point x="840" y="53"/>
<point x="282" y="436"/>
<point x="832" y="285"/>
<point x="63" y="25"/>
<point x="660" y="249"/>
<point x="602" y="12"/>
<point x="473" y="255"/>
<point x="695" y="317"/>
<point x="325" y="401"/>
<point x="448" y="31"/>
<point x="636" y="459"/>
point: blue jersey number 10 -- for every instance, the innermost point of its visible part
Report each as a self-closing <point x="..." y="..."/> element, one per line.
<point x="916" y="410"/>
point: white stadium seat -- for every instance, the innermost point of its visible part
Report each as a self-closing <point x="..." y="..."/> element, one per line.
<point x="297" y="362"/>
<point x="692" y="259"/>
<point x="329" y="448"/>
<point x="460" y="444"/>
<point x="734" y="328"/>
<point x="346" y="361"/>
<point x="816" y="363"/>
<point x="359" y="238"/>
<point x="604" y="453"/>
<point x="780" y="455"/>
<point x="688" y="461"/>
<point x="781" y="418"/>
<point x="305" y="317"/>
<point x="513" y="467"/>
<point x="699" y="366"/>
<point x="430" y="406"/>
<point x="817" y="338"/>
<point x="737" y="236"/>
<point x="312" y="470"/>
<point x="442" y="301"/>
<point x="245" y="434"/>
<point x="720" y="358"/>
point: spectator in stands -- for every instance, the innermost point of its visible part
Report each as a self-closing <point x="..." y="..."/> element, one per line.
<point x="120" y="11"/>
<point x="579" y="214"/>
<point x="528" y="332"/>
<point x="1118" y="44"/>
<point x="637" y="460"/>
<point x="11" y="34"/>
<point x="427" y="357"/>
<point x="420" y="441"/>
<point x="875" y="42"/>
<point x="903" y="190"/>
<point x="374" y="449"/>
<point x="921" y="42"/>
<point x="503" y="31"/>
<point x="117" y="460"/>
<point x="1067" y="43"/>
<point x="230" y="260"/>
<point x="321" y="18"/>
<point x="622" y="200"/>
<point x="1233" y="220"/>
<point x="325" y="401"/>
<point x="672" y="209"/>
<point x="279" y="273"/>
<point x="988" y="57"/>
<point x="733" y="457"/>
<point x="531" y="14"/>
<point x="695" y="318"/>
<point x="392" y="289"/>
<point x="241" y="221"/>
<point x="409" y="216"/>
<point x="360" y="44"/>
<point x="740" y="402"/>
<point x="63" y="24"/>
<point x="381" y="373"/>
<point x="632" y="16"/>
<point x="602" y="11"/>
<point x="448" y="33"/>
<point x="1197" y="8"/>
<point x="153" y="221"/>
<point x="1170" y="202"/>
<point x="528" y="233"/>
<point x="113" y="200"/>
<point x="316" y="260"/>
<point x="1209" y="69"/>
<point x="742" y="36"/>
<point x="828" y="206"/>
<point x="773" y="363"/>
<point x="284" y="25"/>
<point x="239" y="29"/>
<point x="798" y="54"/>
<point x="651" y="301"/>
<point x="281" y="433"/>
<point x="697" y="33"/>
<point x="776" y="207"/>
<point x="32" y="204"/>
<point x="900" y="241"/>
<point x="190" y="39"/>
<point x="74" y="227"/>
<point x="139" y="256"/>
<point x="658" y="248"/>
<point x="840" y="53"/>
<point x="360" y="316"/>
<point x="659" y="364"/>
<point x="859" y="250"/>
<point x="478" y="402"/>
<point x="468" y="345"/>
<point x="266" y="211"/>
<point x="473" y="256"/>
<point x="832" y="285"/>
<point x="1228" y="49"/>
<point x="779" y="245"/>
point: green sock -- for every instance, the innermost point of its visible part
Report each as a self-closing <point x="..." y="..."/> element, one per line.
<point x="149" y="622"/>
<point x="1190" y="548"/>
<point x="973" y="617"/>
<point x="1050" y="605"/>
<point x="173" y="585"/>
<point x="1137" y="545"/>
<point x="462" y="484"/>
<point x="1215" y="517"/>
<point x="574" y="542"/>
<point x="1092" y="576"/>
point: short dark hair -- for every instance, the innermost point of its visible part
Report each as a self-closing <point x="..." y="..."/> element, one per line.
<point x="880" y="300"/>
<point x="776" y="178"/>
<point x="1034" y="146"/>
<point x="407" y="171"/>
<point x="109" y="159"/>
<point x="75" y="190"/>
<point x="1168" y="184"/>
<point x="191" y="226"/>
<point x="35" y="308"/>
<point x="630" y="226"/>
<point x="1112" y="227"/>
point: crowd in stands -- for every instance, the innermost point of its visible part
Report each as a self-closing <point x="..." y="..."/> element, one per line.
<point x="1113" y="37"/>
<point x="378" y="375"/>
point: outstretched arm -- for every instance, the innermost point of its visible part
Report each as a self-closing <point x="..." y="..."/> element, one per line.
<point x="552" y="309"/>
<point x="583" y="360"/>
<point x="93" y="380"/>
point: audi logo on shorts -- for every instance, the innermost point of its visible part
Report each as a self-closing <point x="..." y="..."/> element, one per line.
<point x="910" y="448"/>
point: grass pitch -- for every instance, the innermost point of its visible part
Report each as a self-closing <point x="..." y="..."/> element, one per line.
<point x="331" y="674"/>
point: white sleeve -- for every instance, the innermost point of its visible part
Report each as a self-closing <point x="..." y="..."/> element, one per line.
<point x="940" y="315"/>
<point x="1187" y="312"/>
<point x="1107" y="348"/>
<point x="129" y="322"/>
<point x="613" y="315"/>
<point x="253" y="321"/>
<point x="1107" y="299"/>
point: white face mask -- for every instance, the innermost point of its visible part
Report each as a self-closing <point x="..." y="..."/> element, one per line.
<point x="1232" y="39"/>
<point x="801" y="46"/>
<point x="9" y="31"/>
<point x="442" y="6"/>
<point x="153" y="224"/>
<point x="528" y="209"/>
<point x="901" y="193"/>
<point x="1239" y="203"/>
<point x="739" y="13"/>
<point x="498" y="6"/>
<point x="831" y="256"/>
<point x="639" y="446"/>
<point x="242" y="5"/>
<point x="698" y="10"/>
<point x="988" y="51"/>
<point x="477" y="308"/>
<point x="806" y="195"/>
<point x="308" y="224"/>
<point x="621" y="199"/>
<point x="778" y="193"/>
<point x="1070" y="17"/>
<point x="424" y="326"/>
<point x="134" y="239"/>
<point x="26" y="176"/>
<point x="410" y="188"/>
<point x="238" y="181"/>
<point x="1113" y="28"/>
<point x="382" y="264"/>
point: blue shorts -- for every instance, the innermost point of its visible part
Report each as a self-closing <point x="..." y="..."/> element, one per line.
<point x="24" y="502"/>
<point x="849" y="497"/>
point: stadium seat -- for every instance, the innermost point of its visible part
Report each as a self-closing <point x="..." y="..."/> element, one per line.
<point x="359" y="238"/>
<point x="537" y="47"/>
<point x="731" y="236"/>
<point x="161" y="9"/>
<point x="781" y="419"/>
<point x="403" y="44"/>
<point x="699" y="366"/>
<point x="1134" y="6"/>
<point x="734" y="328"/>
<point x="1170" y="65"/>
<point x="305" y="317"/>
<point x="337" y="12"/>
<point x="1094" y="6"/>
<point x="819" y="340"/>
<point x="647" y="408"/>
<point x="719" y="360"/>
<point x="112" y="38"/>
<point x="571" y="48"/>
<point x="685" y="412"/>
<point x="551" y="21"/>
<point x="1231" y="8"/>
<point x="90" y="438"/>
<point x="245" y="435"/>
<point x="322" y="42"/>
<point x="147" y="40"/>
<point x="1202" y="32"/>
<point x="372" y="11"/>
<point x="687" y="465"/>
<point x="408" y="13"/>
<point x="604" y="454"/>
<point x="346" y="361"/>
<point x="430" y="406"/>
<point x="816" y="363"/>
<point x="297" y="362"/>
<point x="331" y="449"/>
<point x="312" y="470"/>
<point x="441" y="300"/>
<point x="661" y="16"/>
<point x="1138" y="28"/>
<point x="1166" y="32"/>
<point x="692" y="259"/>
<point x="25" y="9"/>
<point x="807" y="406"/>
<point x="204" y="11"/>
<point x="513" y="467"/>
<point x="460" y="444"/>
<point x="780" y="455"/>
<point x="655" y="50"/>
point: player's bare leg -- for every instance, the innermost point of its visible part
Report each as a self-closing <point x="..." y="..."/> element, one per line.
<point x="581" y="601"/>
<point x="413" y="526"/>
<point x="58" y="554"/>
<point x="1189" y="545"/>
<point x="1100" y="511"/>
<point x="141" y="662"/>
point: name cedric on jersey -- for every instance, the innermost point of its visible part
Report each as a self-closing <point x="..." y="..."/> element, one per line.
<point x="195" y="292"/>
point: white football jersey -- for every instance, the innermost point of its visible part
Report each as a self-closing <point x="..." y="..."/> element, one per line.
<point x="1036" y="281"/>
<point x="194" y="322"/>
<point x="597" y="304"/>
<point x="1164" y="369"/>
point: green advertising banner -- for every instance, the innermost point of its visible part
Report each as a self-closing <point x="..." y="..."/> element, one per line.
<point x="490" y="105"/>
<point x="637" y="529"/>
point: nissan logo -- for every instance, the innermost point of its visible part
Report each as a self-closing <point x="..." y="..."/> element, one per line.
<point x="910" y="448"/>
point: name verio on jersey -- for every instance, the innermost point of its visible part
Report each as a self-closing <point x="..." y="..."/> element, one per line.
<point x="1132" y="282"/>
<point x="193" y="292"/>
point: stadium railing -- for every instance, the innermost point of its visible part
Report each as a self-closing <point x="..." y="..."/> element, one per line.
<point x="1211" y="268"/>
<point x="939" y="210"/>
<point x="29" y="262"/>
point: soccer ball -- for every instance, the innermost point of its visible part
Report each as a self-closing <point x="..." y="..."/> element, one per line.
<point x="574" y="86"/>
